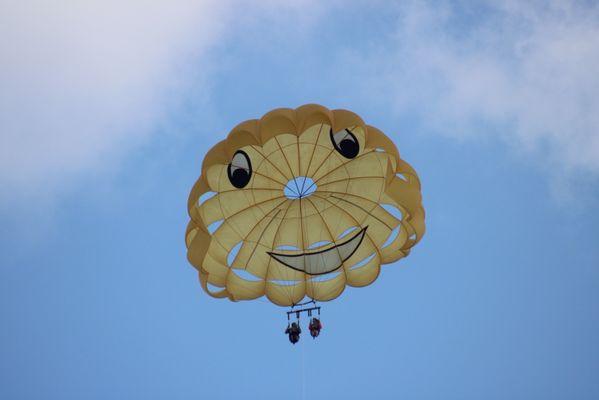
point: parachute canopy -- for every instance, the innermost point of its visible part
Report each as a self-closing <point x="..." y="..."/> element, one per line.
<point x="301" y="203"/>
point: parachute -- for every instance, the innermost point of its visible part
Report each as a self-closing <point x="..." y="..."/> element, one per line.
<point x="301" y="204"/>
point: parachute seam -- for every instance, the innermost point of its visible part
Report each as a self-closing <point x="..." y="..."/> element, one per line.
<point x="332" y="240"/>
<point x="272" y="245"/>
<point x="271" y="163"/>
<point x="287" y="162"/>
<point x="226" y="219"/>
<point x="230" y="267"/>
<point x="259" y="238"/>
<point x="344" y="164"/>
<point x="355" y="220"/>
<point x="372" y="242"/>
<point x="311" y="155"/>
<point x="244" y="238"/>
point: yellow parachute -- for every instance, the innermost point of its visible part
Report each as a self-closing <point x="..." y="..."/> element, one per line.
<point x="301" y="203"/>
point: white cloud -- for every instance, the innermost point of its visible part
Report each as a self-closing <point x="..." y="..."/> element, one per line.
<point x="529" y="72"/>
<point x="84" y="82"/>
<point x="83" y="79"/>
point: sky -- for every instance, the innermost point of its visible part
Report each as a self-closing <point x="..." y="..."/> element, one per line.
<point x="107" y="109"/>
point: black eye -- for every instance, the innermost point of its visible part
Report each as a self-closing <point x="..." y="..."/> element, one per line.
<point x="345" y="143"/>
<point x="240" y="170"/>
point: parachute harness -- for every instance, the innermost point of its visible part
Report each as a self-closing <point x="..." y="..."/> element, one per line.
<point x="307" y="310"/>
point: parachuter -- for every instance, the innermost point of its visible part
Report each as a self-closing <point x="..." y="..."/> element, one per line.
<point x="298" y="205"/>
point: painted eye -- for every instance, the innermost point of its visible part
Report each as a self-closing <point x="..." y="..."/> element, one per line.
<point x="240" y="170"/>
<point x="345" y="143"/>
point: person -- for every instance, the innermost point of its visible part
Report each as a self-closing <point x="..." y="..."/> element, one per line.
<point x="294" y="332"/>
<point x="315" y="327"/>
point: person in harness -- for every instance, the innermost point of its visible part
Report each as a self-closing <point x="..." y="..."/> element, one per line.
<point x="294" y="332"/>
<point x="315" y="327"/>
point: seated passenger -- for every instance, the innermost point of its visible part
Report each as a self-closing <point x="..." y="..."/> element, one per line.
<point x="294" y="332"/>
<point x="315" y="327"/>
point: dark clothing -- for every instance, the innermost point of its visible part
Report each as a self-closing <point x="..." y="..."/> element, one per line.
<point x="294" y="333"/>
<point x="293" y="338"/>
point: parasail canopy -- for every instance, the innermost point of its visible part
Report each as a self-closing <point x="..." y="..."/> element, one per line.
<point x="301" y="203"/>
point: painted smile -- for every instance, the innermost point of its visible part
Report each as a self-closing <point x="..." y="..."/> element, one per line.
<point x="322" y="261"/>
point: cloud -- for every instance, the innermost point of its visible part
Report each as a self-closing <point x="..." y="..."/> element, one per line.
<point x="83" y="83"/>
<point x="82" y="79"/>
<point x="528" y="71"/>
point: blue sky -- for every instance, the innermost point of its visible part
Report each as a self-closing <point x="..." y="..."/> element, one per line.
<point x="109" y="109"/>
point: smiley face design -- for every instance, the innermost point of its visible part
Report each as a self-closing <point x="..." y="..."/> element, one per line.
<point x="301" y="203"/>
